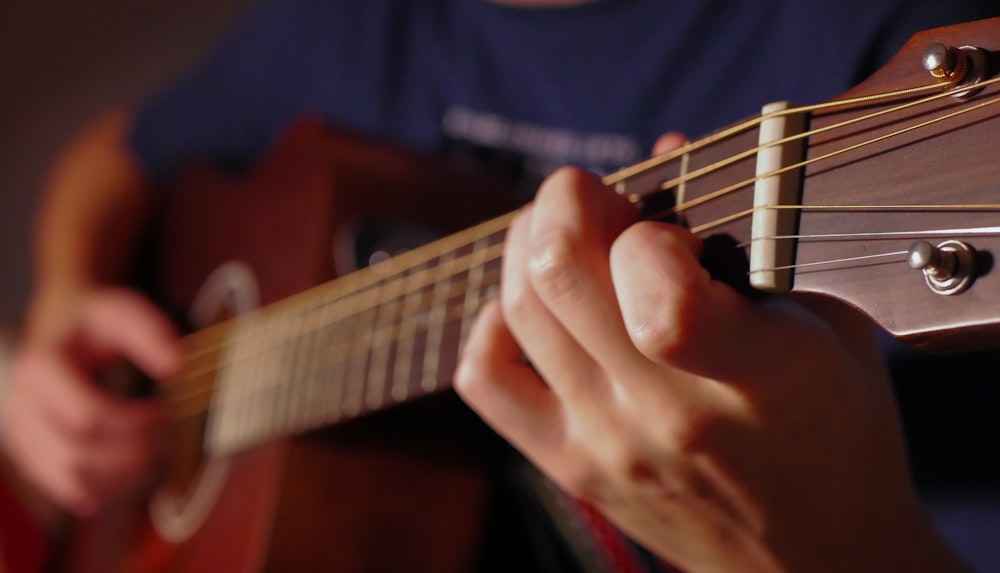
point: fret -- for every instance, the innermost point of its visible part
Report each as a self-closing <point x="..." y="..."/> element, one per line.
<point x="408" y="329"/>
<point x="287" y="353"/>
<point x="319" y="378"/>
<point x="436" y="322"/>
<point x="270" y="377"/>
<point x="483" y="274"/>
<point x="681" y="190"/>
<point x="737" y="201"/>
<point x="251" y="339"/>
<point x="363" y="324"/>
<point x="337" y="344"/>
<point x="245" y="380"/>
<point x="472" y="300"/>
<point x="641" y="186"/>
<point x="221" y="421"/>
<point x="233" y="403"/>
<point x="303" y="380"/>
<point x="386" y="323"/>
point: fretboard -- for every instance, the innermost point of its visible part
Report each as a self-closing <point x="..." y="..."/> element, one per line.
<point x="393" y="332"/>
<point x="378" y="337"/>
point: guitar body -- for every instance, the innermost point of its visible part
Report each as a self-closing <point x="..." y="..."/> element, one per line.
<point x="405" y="490"/>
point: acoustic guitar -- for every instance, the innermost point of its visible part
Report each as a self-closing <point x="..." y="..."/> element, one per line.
<point x="887" y="197"/>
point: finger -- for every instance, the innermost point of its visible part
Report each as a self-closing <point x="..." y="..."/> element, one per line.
<point x="80" y="475"/>
<point x="43" y="459"/>
<point x="65" y="396"/>
<point x="668" y="142"/>
<point x="127" y="324"/>
<point x="676" y="314"/>
<point x="553" y="352"/>
<point x="575" y="222"/>
<point x="507" y="393"/>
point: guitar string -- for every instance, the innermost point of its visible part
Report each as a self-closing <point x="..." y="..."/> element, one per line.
<point x="713" y="167"/>
<point x="827" y="156"/>
<point x="425" y="254"/>
<point x="792" y="167"/>
<point x="883" y="207"/>
<point x="492" y="278"/>
<point x="503" y="219"/>
<point x="656" y="161"/>
<point x="494" y="254"/>
<point x="410" y="259"/>
<point x="455" y="314"/>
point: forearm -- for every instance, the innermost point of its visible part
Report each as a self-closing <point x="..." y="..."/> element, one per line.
<point x="93" y="207"/>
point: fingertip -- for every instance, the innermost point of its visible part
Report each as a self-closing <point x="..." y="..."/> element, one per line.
<point x="489" y="351"/>
<point x="673" y="310"/>
<point x="148" y="338"/>
<point x="669" y="142"/>
<point x="493" y="379"/>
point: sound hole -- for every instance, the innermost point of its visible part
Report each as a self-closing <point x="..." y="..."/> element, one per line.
<point x="192" y="481"/>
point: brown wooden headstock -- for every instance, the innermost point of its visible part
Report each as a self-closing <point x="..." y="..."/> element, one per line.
<point x="926" y="169"/>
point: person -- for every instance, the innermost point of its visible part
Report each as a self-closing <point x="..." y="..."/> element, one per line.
<point x="499" y="82"/>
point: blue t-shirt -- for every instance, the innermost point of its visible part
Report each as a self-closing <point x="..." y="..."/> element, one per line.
<point x="592" y="85"/>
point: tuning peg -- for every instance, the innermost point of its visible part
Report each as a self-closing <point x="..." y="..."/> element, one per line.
<point x="947" y="267"/>
<point x="945" y="62"/>
<point x="966" y="65"/>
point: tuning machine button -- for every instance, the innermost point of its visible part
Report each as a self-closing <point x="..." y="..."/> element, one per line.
<point x="947" y="267"/>
<point x="963" y="66"/>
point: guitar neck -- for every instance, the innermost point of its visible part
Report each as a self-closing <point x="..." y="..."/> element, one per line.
<point x="382" y="336"/>
<point x="393" y="332"/>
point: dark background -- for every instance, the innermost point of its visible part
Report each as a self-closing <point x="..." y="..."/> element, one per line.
<point x="61" y="63"/>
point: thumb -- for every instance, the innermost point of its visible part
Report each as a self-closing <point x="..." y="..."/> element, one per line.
<point x="126" y="324"/>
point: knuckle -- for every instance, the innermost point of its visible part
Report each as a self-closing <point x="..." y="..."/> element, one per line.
<point x="690" y="434"/>
<point x="28" y="365"/>
<point x="666" y="333"/>
<point x="84" y="423"/>
<point x="470" y="375"/>
<point x="582" y="480"/>
<point x="553" y="268"/>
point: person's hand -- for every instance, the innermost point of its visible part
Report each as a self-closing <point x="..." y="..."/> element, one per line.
<point x="722" y="433"/>
<point x="78" y="442"/>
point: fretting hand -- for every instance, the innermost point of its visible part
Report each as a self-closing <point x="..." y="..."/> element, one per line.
<point x="724" y="434"/>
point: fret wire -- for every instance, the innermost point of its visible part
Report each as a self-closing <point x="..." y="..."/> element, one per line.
<point x="310" y="412"/>
<point x="380" y="347"/>
<point x="292" y="349"/>
<point x="357" y="368"/>
<point x="336" y="359"/>
<point x="406" y="346"/>
<point x="474" y="283"/>
<point x="432" y="343"/>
